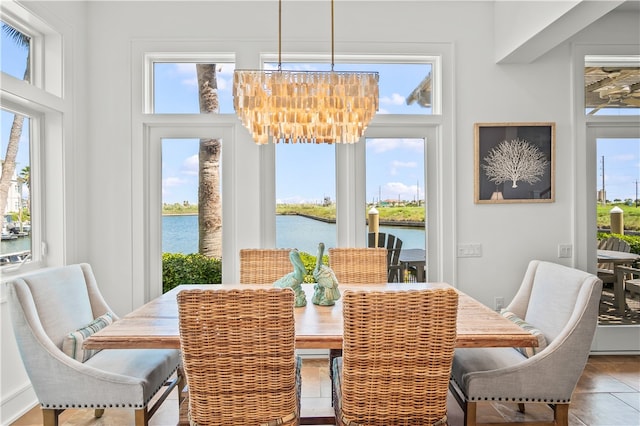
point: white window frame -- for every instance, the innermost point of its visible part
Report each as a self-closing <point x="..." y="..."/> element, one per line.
<point x="249" y="220"/>
<point x="41" y="101"/>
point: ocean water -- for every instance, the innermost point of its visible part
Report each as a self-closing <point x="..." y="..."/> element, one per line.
<point x="180" y="234"/>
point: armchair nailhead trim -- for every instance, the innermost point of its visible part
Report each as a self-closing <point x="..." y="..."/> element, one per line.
<point x="118" y="405"/>
<point x="507" y="399"/>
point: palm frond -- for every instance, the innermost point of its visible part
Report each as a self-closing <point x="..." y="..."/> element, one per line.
<point x="21" y="39"/>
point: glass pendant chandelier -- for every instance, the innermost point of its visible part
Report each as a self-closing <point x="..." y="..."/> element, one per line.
<point x="305" y="106"/>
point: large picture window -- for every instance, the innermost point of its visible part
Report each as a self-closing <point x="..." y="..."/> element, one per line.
<point x="15" y="247"/>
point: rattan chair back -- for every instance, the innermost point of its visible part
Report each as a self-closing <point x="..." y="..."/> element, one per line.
<point x="238" y="355"/>
<point x="397" y="354"/>
<point x="264" y="266"/>
<point x="359" y="265"/>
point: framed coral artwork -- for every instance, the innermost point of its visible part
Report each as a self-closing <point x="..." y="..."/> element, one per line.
<point x="514" y="162"/>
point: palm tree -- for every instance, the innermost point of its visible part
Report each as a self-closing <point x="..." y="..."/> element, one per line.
<point x="9" y="162"/>
<point x="209" y="200"/>
<point x="25" y="174"/>
<point x="25" y="177"/>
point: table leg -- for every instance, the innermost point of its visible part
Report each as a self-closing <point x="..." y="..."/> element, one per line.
<point x="618" y="294"/>
<point x="420" y="272"/>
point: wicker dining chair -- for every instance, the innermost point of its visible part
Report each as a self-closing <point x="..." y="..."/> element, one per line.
<point x="362" y="265"/>
<point x="238" y="352"/>
<point x="264" y="266"/>
<point x="397" y="353"/>
<point x="357" y="265"/>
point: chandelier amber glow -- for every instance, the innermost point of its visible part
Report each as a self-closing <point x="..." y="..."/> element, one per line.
<point x="305" y="106"/>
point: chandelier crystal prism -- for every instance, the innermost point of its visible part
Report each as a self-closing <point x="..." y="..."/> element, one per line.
<point x="305" y="106"/>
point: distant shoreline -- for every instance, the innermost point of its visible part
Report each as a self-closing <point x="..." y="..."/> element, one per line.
<point x="407" y="223"/>
<point x="410" y="224"/>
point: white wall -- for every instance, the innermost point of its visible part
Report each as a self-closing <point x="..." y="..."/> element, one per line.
<point x="105" y="189"/>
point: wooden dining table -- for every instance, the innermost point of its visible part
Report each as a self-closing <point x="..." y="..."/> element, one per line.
<point x="155" y="324"/>
<point x="618" y="258"/>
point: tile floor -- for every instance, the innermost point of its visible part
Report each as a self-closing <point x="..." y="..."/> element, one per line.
<point x="608" y="394"/>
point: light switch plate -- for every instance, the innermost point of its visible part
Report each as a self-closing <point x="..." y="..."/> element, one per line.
<point x="470" y="250"/>
<point x="565" y="250"/>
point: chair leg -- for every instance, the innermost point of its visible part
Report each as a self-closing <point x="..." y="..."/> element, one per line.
<point x="50" y="416"/>
<point x="561" y="414"/>
<point x="470" y="413"/>
<point x="141" y="417"/>
<point x="333" y="354"/>
<point x="182" y="384"/>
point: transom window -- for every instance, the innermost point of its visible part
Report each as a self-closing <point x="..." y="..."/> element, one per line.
<point x="612" y="85"/>
<point x="405" y="88"/>
<point x="172" y="85"/>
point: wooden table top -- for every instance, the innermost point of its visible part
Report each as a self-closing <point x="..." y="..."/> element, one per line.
<point x="155" y="324"/>
<point x="615" y="256"/>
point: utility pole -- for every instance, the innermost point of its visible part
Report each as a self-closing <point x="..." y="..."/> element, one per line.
<point x="604" y="196"/>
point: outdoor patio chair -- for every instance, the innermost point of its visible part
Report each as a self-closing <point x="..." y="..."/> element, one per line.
<point x="53" y="310"/>
<point x="238" y="350"/>
<point x="558" y="304"/>
<point x="264" y="266"/>
<point x="393" y="245"/>
<point x="396" y="360"/>
<point x="630" y="278"/>
<point x="606" y="271"/>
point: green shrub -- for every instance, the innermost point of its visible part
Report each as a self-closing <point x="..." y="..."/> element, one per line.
<point x="309" y="261"/>
<point x="195" y="268"/>
<point x="178" y="268"/>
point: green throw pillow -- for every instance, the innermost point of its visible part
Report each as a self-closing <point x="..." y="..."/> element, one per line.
<point x="542" y="341"/>
<point x="72" y="343"/>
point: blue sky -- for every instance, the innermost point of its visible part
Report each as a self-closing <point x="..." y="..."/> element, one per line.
<point x="394" y="166"/>
<point x="621" y="168"/>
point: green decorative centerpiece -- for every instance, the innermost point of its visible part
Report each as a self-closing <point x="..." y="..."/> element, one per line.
<point x="294" y="279"/>
<point x="326" y="288"/>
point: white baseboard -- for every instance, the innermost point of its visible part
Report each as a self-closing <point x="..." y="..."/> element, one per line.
<point x="16" y="405"/>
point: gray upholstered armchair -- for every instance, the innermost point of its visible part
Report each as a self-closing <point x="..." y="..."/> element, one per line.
<point x="560" y="302"/>
<point x="52" y="311"/>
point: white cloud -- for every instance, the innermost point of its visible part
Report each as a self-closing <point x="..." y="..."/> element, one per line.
<point x="190" y="166"/>
<point x="224" y="75"/>
<point x="189" y="82"/>
<point x="379" y="145"/>
<point x="170" y="183"/>
<point x="296" y="199"/>
<point x="395" y="165"/>
<point x="395" y="99"/>
<point x="184" y="68"/>
<point x="173" y="181"/>
<point x="623" y="157"/>
<point x="398" y="190"/>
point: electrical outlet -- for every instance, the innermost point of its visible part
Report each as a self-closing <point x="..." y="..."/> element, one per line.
<point x="499" y="303"/>
<point x="565" y="250"/>
<point x="469" y="250"/>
